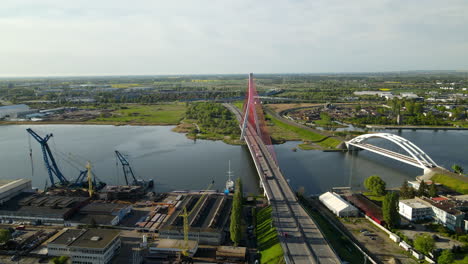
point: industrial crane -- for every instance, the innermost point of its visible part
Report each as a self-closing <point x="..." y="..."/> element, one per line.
<point x="49" y="159"/>
<point x="54" y="171"/>
<point x="127" y="170"/>
<point x="186" y="216"/>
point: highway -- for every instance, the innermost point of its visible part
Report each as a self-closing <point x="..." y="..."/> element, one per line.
<point x="304" y="242"/>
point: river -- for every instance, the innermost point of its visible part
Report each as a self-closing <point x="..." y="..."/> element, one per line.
<point x="175" y="162"/>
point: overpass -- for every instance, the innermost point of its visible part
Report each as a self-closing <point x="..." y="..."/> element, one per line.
<point x="417" y="157"/>
<point x="304" y="242"/>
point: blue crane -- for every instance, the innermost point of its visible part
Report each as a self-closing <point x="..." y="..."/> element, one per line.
<point x="49" y="159"/>
<point x="127" y="170"/>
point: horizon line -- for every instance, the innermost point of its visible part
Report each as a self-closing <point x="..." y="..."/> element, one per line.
<point x="211" y="74"/>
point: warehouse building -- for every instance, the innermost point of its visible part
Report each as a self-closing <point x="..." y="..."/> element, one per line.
<point x="90" y="246"/>
<point x="207" y="220"/>
<point x="102" y="213"/>
<point x="11" y="188"/>
<point x="366" y="206"/>
<point x="338" y="205"/>
<point x="30" y="207"/>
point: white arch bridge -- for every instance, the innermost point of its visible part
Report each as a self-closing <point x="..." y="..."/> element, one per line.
<point x="416" y="157"/>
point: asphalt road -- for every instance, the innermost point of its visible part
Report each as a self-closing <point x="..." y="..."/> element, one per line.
<point x="301" y="240"/>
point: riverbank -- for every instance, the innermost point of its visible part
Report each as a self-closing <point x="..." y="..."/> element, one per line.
<point x="68" y="122"/>
<point x="210" y="121"/>
<point x="416" y="127"/>
<point x="191" y="131"/>
<point x="282" y="130"/>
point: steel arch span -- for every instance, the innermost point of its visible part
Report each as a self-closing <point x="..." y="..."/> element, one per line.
<point x="417" y="156"/>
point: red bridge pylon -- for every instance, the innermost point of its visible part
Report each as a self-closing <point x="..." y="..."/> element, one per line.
<point x="253" y="116"/>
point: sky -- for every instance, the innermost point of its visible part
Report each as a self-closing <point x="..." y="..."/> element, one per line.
<point x="153" y="37"/>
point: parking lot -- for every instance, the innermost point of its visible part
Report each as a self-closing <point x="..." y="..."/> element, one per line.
<point x="377" y="241"/>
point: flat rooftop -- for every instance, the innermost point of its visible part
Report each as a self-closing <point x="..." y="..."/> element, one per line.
<point x="415" y="203"/>
<point x="86" y="238"/>
<point x="65" y="237"/>
<point x="173" y="244"/>
<point x="10" y="184"/>
<point x="211" y="213"/>
<point x="100" y="208"/>
<point x="99" y="219"/>
<point x="33" y="205"/>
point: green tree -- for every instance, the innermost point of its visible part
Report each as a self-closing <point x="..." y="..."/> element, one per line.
<point x="424" y="243"/>
<point x="406" y="192"/>
<point x="457" y="168"/>
<point x="239" y="187"/>
<point x="432" y="190"/>
<point x="375" y="184"/>
<point x="446" y="257"/>
<point x="5" y="235"/>
<point x="423" y="189"/>
<point x="60" y="260"/>
<point x="390" y="209"/>
<point x="236" y="214"/>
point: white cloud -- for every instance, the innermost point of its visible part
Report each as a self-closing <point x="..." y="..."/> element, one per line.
<point x="56" y="37"/>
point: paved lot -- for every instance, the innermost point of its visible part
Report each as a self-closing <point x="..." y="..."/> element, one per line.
<point x="377" y="241"/>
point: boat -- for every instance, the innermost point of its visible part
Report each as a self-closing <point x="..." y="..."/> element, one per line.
<point x="229" y="183"/>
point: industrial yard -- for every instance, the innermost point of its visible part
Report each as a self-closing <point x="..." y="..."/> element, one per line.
<point x="46" y="224"/>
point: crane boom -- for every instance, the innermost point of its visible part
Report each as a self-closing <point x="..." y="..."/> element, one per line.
<point x="49" y="159"/>
<point x="127" y="169"/>
<point x="90" y="180"/>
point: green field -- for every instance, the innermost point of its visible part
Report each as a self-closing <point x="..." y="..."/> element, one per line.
<point x="267" y="238"/>
<point x="324" y="123"/>
<point x="281" y="131"/>
<point x="459" y="184"/>
<point x="239" y="104"/>
<point x="160" y="114"/>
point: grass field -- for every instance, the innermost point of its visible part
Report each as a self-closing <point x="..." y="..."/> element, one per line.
<point x="267" y="238"/>
<point x="239" y="104"/>
<point x="161" y="114"/>
<point x="281" y="131"/>
<point x="323" y="123"/>
<point x="460" y="185"/>
<point x="376" y="198"/>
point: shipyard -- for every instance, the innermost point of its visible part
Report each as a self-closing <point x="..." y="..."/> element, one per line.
<point x="130" y="220"/>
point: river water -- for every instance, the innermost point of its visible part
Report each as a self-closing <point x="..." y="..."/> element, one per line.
<point x="175" y="162"/>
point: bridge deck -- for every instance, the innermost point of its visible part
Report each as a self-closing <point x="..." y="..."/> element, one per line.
<point x="305" y="242"/>
<point x="391" y="154"/>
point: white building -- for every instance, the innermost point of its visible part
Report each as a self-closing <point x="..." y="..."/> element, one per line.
<point x="443" y="210"/>
<point x="409" y="95"/>
<point x="375" y="93"/>
<point x="447" y="213"/>
<point x="413" y="209"/>
<point x="11" y="188"/>
<point x="338" y="205"/>
<point x="86" y="246"/>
